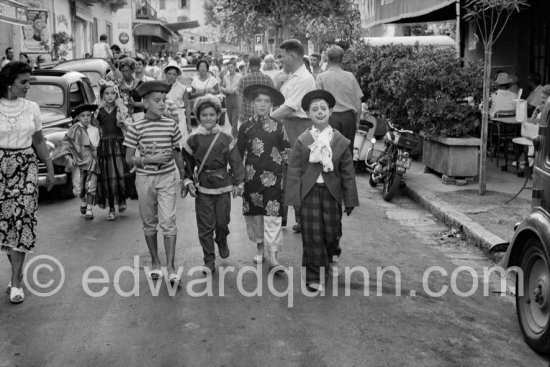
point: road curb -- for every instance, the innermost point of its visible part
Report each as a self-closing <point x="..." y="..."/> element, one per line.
<point x="474" y="232"/>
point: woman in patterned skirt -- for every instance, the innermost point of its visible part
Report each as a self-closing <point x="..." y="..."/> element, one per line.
<point x="20" y="129"/>
<point x="264" y="145"/>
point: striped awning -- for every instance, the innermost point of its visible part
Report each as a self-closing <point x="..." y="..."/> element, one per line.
<point x="13" y="12"/>
<point x="374" y="12"/>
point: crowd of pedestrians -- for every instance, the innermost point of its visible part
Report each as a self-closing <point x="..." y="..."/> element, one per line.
<point x="292" y="124"/>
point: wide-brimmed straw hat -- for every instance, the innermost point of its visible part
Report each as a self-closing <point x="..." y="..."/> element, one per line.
<point x="251" y="91"/>
<point x="504" y="78"/>
<point x="318" y="94"/>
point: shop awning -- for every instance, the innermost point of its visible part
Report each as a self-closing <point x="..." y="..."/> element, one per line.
<point x="375" y="12"/>
<point x="183" y="25"/>
<point x="152" y="28"/>
<point x="13" y="12"/>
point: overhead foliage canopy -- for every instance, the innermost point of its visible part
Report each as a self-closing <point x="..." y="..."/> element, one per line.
<point x="320" y="20"/>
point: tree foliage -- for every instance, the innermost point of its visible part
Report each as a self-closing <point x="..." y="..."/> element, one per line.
<point x="322" y="20"/>
<point x="419" y="87"/>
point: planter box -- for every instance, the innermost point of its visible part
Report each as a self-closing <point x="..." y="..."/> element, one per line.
<point x="453" y="157"/>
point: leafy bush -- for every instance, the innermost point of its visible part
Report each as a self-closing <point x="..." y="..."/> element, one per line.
<point x="422" y="88"/>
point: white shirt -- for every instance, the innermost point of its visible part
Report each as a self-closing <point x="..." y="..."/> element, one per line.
<point x="102" y="50"/>
<point x="295" y="87"/>
<point x="535" y="97"/>
<point x="503" y="100"/>
<point x="19" y="120"/>
<point x="176" y="94"/>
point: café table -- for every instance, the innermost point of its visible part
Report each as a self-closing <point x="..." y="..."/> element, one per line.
<point x="505" y="126"/>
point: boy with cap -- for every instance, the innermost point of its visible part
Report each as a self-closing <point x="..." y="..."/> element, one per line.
<point x="79" y="152"/>
<point x="321" y="168"/>
<point x="158" y="140"/>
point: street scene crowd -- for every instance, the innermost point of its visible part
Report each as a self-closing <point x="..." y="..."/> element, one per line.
<point x="292" y="128"/>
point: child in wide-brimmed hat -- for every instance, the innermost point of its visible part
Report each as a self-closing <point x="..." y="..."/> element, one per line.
<point x="264" y="144"/>
<point x="79" y="151"/>
<point x="321" y="167"/>
<point x="158" y="140"/>
<point x="207" y="155"/>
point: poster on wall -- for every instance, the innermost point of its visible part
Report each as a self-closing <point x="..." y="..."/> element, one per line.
<point x="36" y="33"/>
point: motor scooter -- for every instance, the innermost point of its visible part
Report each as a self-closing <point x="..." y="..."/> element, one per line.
<point x="365" y="132"/>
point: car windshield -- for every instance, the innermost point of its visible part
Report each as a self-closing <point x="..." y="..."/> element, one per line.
<point x="46" y="95"/>
<point x="93" y="76"/>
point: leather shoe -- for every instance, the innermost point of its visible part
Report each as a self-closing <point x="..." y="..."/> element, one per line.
<point x="209" y="265"/>
<point x="224" y="251"/>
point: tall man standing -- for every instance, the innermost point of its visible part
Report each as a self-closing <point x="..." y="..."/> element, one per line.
<point x="347" y="92"/>
<point x="299" y="82"/>
<point x="102" y="49"/>
<point x="230" y="88"/>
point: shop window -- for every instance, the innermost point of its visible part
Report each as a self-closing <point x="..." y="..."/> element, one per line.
<point x="183" y="4"/>
<point x="162" y="4"/>
<point x="540" y="40"/>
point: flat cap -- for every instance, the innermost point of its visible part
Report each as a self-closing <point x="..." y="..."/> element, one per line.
<point x="153" y="86"/>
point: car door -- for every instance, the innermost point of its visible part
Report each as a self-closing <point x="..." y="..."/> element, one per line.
<point x="77" y="95"/>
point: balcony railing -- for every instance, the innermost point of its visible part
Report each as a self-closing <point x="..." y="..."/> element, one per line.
<point x="146" y="12"/>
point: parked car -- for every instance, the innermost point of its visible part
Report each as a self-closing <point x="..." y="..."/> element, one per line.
<point x="529" y="250"/>
<point x="57" y="92"/>
<point x="94" y="69"/>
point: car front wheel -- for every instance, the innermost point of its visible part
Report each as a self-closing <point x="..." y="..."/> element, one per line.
<point x="533" y="296"/>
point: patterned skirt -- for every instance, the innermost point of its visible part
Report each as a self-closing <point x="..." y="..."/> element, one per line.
<point x="18" y="199"/>
<point x="115" y="180"/>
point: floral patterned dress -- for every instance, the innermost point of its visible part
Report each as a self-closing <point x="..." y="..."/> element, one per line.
<point x="264" y="146"/>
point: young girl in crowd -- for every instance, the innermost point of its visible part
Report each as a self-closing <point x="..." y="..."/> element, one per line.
<point x="207" y="155"/>
<point x="116" y="182"/>
<point x="79" y="151"/>
<point x="264" y="145"/>
<point x="321" y="170"/>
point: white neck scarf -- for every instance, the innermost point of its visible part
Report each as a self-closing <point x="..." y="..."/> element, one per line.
<point x="321" y="151"/>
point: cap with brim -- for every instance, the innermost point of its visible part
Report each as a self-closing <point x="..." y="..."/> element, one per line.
<point x="172" y="66"/>
<point x="276" y="97"/>
<point x="504" y="78"/>
<point x="318" y="94"/>
<point x="153" y="86"/>
<point x="82" y="108"/>
<point x="204" y="99"/>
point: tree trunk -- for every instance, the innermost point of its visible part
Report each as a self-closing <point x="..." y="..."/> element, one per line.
<point x="485" y="119"/>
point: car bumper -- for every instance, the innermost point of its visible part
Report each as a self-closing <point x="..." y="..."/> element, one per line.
<point x="60" y="179"/>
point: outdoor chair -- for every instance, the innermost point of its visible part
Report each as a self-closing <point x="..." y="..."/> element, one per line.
<point x="500" y="136"/>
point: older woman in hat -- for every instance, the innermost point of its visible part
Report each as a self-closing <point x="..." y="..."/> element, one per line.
<point x="264" y="145"/>
<point x="178" y="96"/>
<point x="503" y="100"/>
<point x="321" y="167"/>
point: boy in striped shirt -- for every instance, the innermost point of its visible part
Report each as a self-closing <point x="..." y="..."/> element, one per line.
<point x="158" y="140"/>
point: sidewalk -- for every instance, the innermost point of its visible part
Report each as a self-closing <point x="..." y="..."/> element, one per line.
<point x="485" y="221"/>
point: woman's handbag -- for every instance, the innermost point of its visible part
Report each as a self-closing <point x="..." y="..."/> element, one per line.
<point x="198" y="172"/>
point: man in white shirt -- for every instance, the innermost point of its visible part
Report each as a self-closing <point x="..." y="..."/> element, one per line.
<point x="230" y="87"/>
<point x="503" y="99"/>
<point x="299" y="82"/>
<point x="102" y="49"/>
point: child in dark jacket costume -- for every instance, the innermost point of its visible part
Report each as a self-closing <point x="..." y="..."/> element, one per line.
<point x="320" y="178"/>
<point x="209" y="181"/>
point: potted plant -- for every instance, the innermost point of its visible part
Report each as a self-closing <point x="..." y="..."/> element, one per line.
<point x="431" y="91"/>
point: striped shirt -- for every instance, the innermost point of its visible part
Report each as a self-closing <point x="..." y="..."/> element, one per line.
<point x="252" y="78"/>
<point x="151" y="137"/>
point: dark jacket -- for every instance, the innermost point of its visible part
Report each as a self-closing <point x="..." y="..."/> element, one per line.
<point x="302" y="174"/>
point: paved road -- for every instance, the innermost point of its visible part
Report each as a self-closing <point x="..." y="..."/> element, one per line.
<point x="73" y="328"/>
